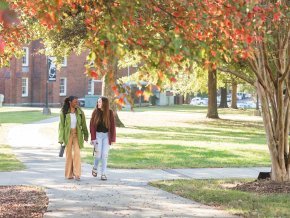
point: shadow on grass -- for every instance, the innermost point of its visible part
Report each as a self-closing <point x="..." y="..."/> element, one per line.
<point x="214" y="193"/>
<point x="222" y="133"/>
<point x="147" y="153"/>
<point x="233" y="124"/>
<point x="190" y="108"/>
<point x="132" y="155"/>
<point x="172" y="108"/>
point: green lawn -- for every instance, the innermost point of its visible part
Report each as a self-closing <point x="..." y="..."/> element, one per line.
<point x="172" y="108"/>
<point x="8" y="161"/>
<point x="154" y="142"/>
<point x="215" y="193"/>
<point x="23" y="116"/>
<point x="190" y="108"/>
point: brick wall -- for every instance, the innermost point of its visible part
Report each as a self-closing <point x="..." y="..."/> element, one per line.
<point x="36" y="72"/>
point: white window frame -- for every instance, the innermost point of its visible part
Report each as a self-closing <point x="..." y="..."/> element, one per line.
<point x="64" y="62"/>
<point x="25" y="57"/>
<point x="26" y="87"/>
<point x="65" y="86"/>
<point x="91" y="87"/>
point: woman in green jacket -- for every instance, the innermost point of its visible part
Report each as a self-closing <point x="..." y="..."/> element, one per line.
<point x="72" y="132"/>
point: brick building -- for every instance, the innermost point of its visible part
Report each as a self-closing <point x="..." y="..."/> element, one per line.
<point x="24" y="82"/>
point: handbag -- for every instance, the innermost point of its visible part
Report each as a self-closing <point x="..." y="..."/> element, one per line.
<point x="95" y="151"/>
<point x="61" y="150"/>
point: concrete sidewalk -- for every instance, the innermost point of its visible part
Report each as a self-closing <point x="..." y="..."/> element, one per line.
<point x="125" y="194"/>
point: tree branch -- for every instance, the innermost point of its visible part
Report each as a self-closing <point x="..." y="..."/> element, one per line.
<point x="266" y="61"/>
<point x="239" y="75"/>
<point x="284" y="52"/>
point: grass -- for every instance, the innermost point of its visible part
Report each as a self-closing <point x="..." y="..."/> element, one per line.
<point x="8" y="160"/>
<point x="214" y="193"/>
<point x="175" y="156"/>
<point x="23" y="116"/>
<point x="181" y="139"/>
<point x="207" y="133"/>
<point x="172" y="108"/>
<point x="189" y="108"/>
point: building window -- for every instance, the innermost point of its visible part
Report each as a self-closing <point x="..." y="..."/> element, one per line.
<point x="24" y="87"/>
<point x="91" y="87"/>
<point x="62" y="87"/>
<point x="64" y="62"/>
<point x="25" y="58"/>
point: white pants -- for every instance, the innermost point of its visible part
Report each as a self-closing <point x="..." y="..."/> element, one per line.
<point x="102" y="151"/>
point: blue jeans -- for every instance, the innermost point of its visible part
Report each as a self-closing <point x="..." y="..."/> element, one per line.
<point x="102" y="151"/>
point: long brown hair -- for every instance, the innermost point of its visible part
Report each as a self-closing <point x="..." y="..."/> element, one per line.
<point x="102" y="115"/>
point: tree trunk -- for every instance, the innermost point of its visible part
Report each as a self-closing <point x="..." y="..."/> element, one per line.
<point x="212" y="111"/>
<point x="270" y="62"/>
<point x="275" y="104"/>
<point x="234" y="94"/>
<point x="109" y="93"/>
<point x="257" y="103"/>
<point x="224" y="103"/>
<point x="257" y="112"/>
<point x="276" y="122"/>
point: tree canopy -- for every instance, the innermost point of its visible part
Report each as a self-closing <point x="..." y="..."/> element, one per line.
<point x="165" y="33"/>
<point x="169" y="30"/>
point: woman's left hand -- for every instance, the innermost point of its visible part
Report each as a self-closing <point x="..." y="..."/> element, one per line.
<point x="93" y="142"/>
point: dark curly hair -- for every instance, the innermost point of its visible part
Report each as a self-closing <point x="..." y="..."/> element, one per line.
<point x="66" y="105"/>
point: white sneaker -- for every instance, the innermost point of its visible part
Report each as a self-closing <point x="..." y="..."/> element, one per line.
<point x="103" y="177"/>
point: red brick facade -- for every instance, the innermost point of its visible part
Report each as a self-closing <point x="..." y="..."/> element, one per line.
<point x="37" y="73"/>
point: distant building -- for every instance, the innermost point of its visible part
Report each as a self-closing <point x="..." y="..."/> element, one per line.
<point x="24" y="82"/>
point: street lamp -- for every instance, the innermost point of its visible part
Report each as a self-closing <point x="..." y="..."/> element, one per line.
<point x="47" y="110"/>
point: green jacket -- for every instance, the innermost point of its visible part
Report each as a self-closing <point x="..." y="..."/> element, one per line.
<point x="64" y="128"/>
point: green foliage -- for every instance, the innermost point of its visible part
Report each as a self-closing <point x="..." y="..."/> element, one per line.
<point x="189" y="80"/>
<point x="247" y="89"/>
<point x="184" y="78"/>
<point x="3" y="5"/>
<point x="58" y="43"/>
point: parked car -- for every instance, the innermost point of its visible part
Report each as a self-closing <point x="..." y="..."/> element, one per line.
<point x="82" y="102"/>
<point x="248" y="95"/>
<point x="246" y="104"/>
<point x="241" y="105"/>
<point x="196" y="101"/>
<point x="204" y="101"/>
<point x="240" y="95"/>
<point x="218" y="99"/>
<point x="251" y="104"/>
